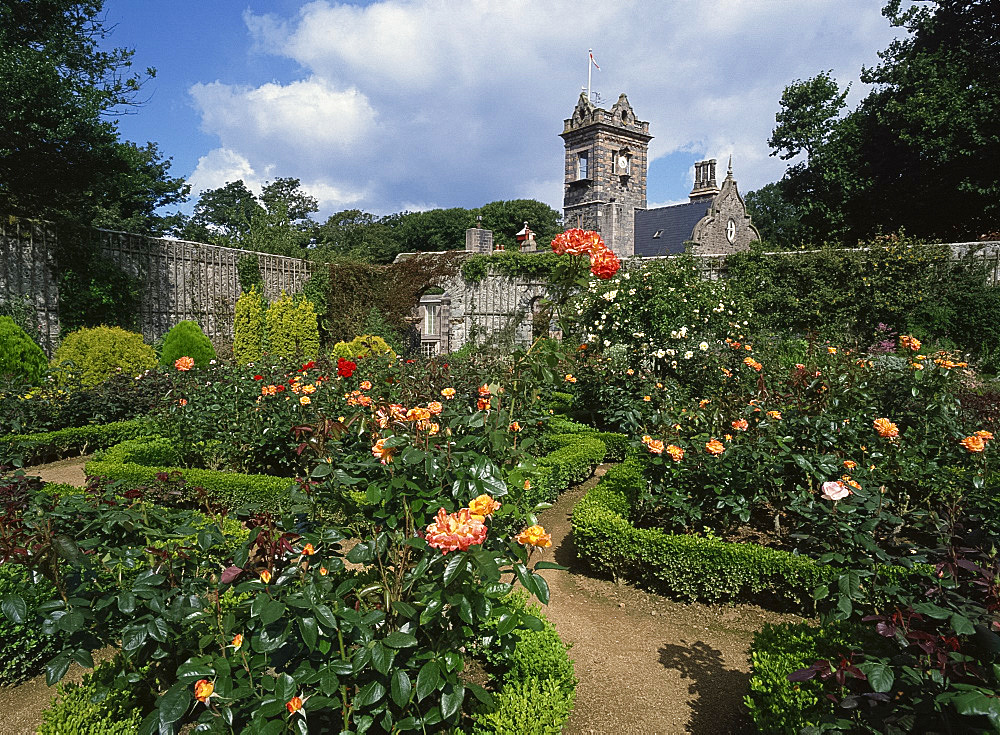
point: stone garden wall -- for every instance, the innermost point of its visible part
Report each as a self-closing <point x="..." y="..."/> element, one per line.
<point x="177" y="279"/>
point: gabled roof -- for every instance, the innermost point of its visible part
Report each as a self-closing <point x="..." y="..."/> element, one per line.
<point x="674" y="225"/>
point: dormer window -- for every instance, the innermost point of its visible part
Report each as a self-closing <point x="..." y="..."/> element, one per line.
<point x="657" y="234"/>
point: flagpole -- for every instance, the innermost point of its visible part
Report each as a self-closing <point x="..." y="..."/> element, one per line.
<point x="590" y="56"/>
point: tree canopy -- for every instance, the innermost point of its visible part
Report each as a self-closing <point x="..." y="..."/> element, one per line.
<point x="921" y="151"/>
<point x="60" y="153"/>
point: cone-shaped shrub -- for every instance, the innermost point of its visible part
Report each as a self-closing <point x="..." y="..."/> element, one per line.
<point x="98" y="352"/>
<point x="248" y="327"/>
<point x="186" y="338"/>
<point x="20" y="357"/>
<point x="291" y="328"/>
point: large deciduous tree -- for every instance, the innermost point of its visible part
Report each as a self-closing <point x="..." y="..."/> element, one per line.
<point x="60" y="92"/>
<point x="922" y="149"/>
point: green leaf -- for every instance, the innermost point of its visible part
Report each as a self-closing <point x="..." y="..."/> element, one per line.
<point x="453" y="567"/>
<point x="962" y="625"/>
<point x="541" y="588"/>
<point x="400" y="687"/>
<point x="68" y="549"/>
<point x="371" y="693"/>
<point x="481" y="694"/>
<point x="56" y="669"/>
<point x="880" y="676"/>
<point x="15" y="609"/>
<point x="451" y="700"/>
<point x="971" y="704"/>
<point x="309" y="630"/>
<point x="428" y="679"/>
<point x="399" y="639"/>
<point x="285" y="687"/>
<point x="382" y="658"/>
<point x="549" y="565"/>
<point x="133" y="637"/>
<point x="174" y="704"/>
<point x="821" y="592"/>
<point x="272" y="611"/>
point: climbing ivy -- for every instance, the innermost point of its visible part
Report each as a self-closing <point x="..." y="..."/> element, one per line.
<point x="509" y="265"/>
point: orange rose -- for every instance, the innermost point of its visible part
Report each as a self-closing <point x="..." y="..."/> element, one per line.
<point x="655" y="446"/>
<point x="203" y="690"/>
<point x="515" y="427"/>
<point x="534" y="536"/>
<point x="973" y="444"/>
<point x="182" y="402"/>
<point x="448" y="393"/>
<point x="885" y="428"/>
<point x="483" y="404"/>
<point x="308" y="550"/>
<point x="294" y="705"/>
<point x="984" y="435"/>
<point x="366" y="385"/>
<point x="238" y="641"/>
<point x="323" y="571"/>
<point x="570" y="378"/>
<point x="647" y="398"/>
<point x="381" y="452"/>
<point x="483" y="506"/>
<point x="435" y="408"/>
<point x="850" y="464"/>
<point x="741" y="425"/>
<point x="909" y="343"/>
<point x="184" y="363"/>
<point x="775" y="415"/>
<point x="305" y="400"/>
<point x="675" y="452"/>
<point x="265" y="577"/>
<point x="455" y="531"/>
<point x="715" y="447"/>
<point x="484" y="391"/>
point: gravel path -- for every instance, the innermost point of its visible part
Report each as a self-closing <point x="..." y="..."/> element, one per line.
<point x="647" y="664"/>
<point x="68" y="471"/>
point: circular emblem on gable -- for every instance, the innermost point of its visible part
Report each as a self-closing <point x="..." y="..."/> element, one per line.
<point x="731" y="231"/>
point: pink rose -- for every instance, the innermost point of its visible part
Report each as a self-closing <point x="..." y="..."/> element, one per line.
<point x="835" y="491"/>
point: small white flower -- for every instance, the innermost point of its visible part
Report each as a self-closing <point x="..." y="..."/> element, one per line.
<point x="671" y="353"/>
<point x="660" y="353"/>
<point x="703" y="346"/>
<point x="211" y="362"/>
<point x="688" y="355"/>
<point x="631" y="292"/>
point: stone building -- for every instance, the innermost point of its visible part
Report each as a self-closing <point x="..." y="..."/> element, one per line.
<point x="605" y="190"/>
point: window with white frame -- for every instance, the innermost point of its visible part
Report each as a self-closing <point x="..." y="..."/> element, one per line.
<point x="428" y="349"/>
<point x="431" y="316"/>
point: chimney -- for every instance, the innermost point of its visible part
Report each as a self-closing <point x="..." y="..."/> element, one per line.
<point x="704" y="180"/>
<point x="478" y="240"/>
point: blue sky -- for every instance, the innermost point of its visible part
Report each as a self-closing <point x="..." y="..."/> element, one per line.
<point x="412" y="104"/>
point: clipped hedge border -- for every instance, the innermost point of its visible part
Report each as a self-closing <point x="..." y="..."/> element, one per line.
<point x="573" y="462"/>
<point x="539" y="683"/>
<point x="682" y="566"/>
<point x="231" y="489"/>
<point x="52" y="445"/>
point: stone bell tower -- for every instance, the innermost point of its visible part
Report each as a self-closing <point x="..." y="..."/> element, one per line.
<point x="605" y="171"/>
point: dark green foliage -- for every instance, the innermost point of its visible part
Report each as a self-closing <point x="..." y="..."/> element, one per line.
<point x="248" y="268"/>
<point x="95" y="291"/>
<point x="231" y="489"/>
<point x="52" y="445"/>
<point x="23" y="647"/>
<point x="510" y="265"/>
<point x="781" y="707"/>
<point x="506" y="218"/>
<point x="24" y="314"/>
<point x="63" y="84"/>
<point x="21" y="359"/>
<point x="119" y="398"/>
<point x="561" y="403"/>
<point x="920" y="150"/>
<point x="187" y="339"/>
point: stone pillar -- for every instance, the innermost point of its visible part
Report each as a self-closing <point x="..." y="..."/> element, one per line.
<point x="478" y="240"/>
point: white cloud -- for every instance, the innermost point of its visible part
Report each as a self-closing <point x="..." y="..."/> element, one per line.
<point x="405" y="101"/>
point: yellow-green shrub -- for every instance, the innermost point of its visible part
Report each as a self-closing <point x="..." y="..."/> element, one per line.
<point x="366" y="344"/>
<point x="19" y="355"/>
<point x="248" y="327"/>
<point x="291" y="328"/>
<point x="92" y="355"/>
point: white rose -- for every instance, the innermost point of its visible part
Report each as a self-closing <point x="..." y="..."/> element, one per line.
<point x="688" y="355"/>
<point x="703" y="346"/>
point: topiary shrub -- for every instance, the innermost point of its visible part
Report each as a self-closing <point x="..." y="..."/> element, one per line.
<point x="291" y="329"/>
<point x="92" y="355"/>
<point x="362" y="346"/>
<point x="248" y="327"/>
<point x="186" y="338"/>
<point x="20" y="358"/>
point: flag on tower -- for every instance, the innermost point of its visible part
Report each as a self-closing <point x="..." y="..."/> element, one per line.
<point x="594" y="62"/>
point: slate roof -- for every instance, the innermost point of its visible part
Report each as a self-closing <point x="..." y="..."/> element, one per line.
<point x="675" y="225"/>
